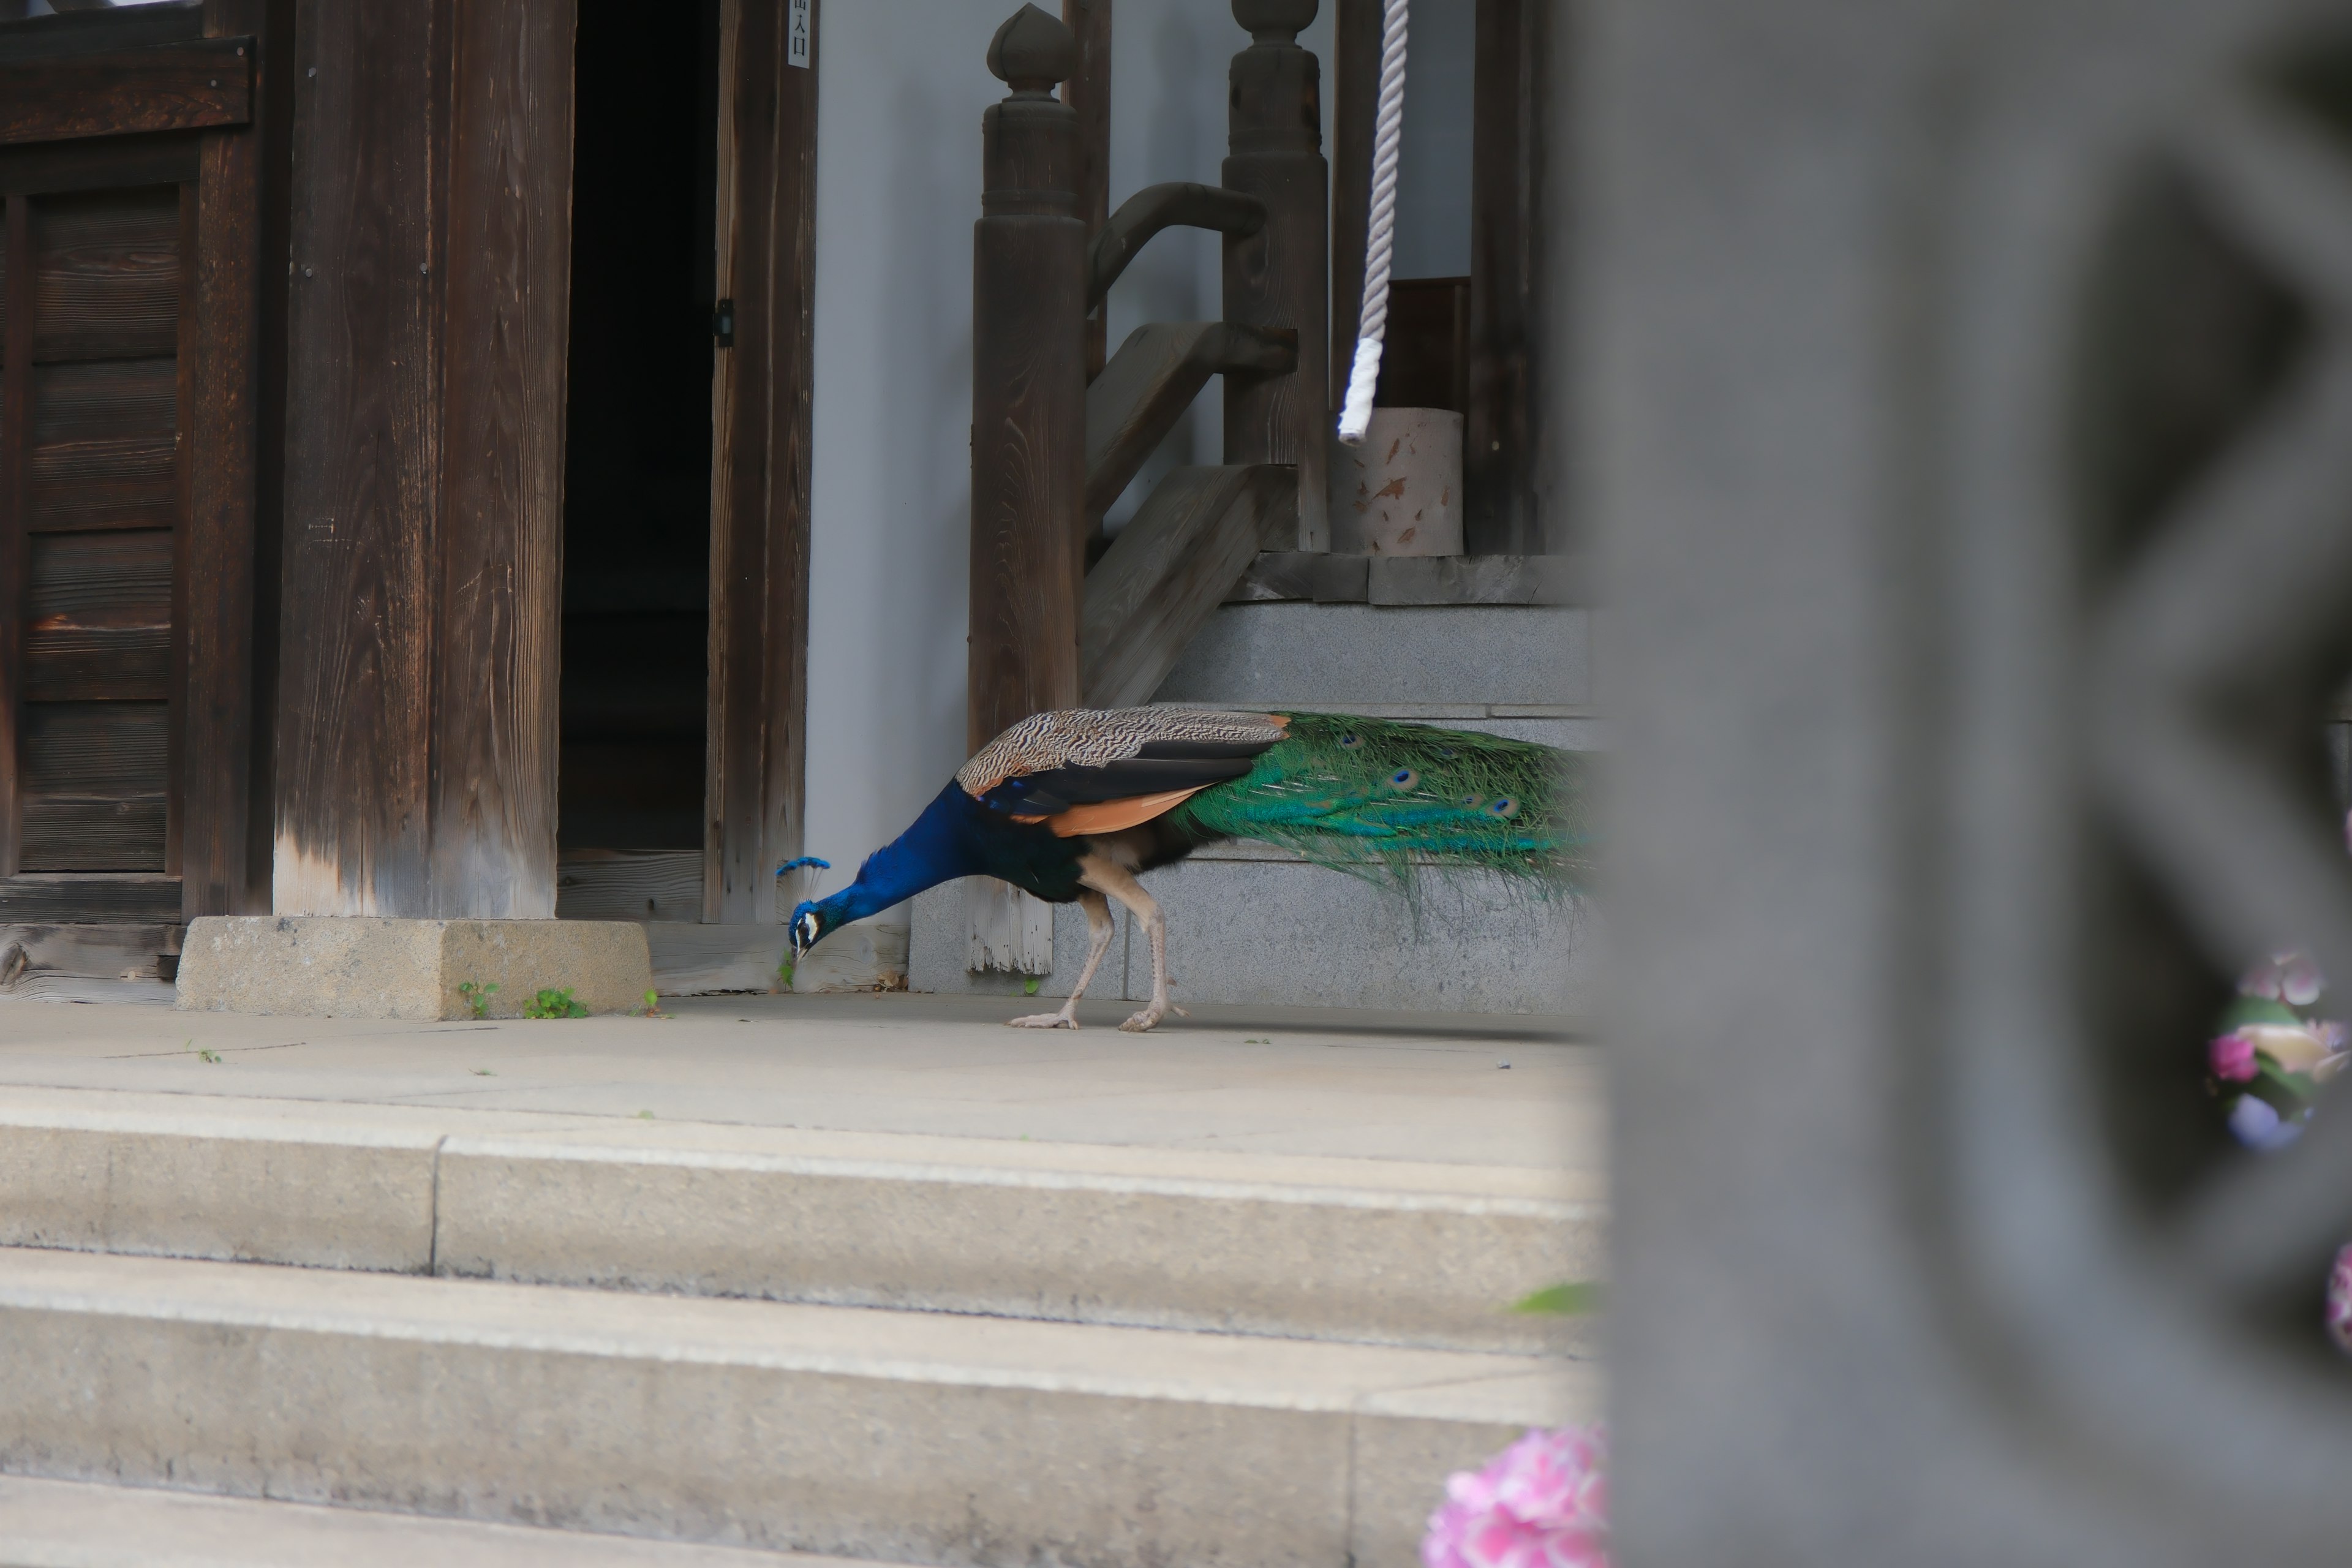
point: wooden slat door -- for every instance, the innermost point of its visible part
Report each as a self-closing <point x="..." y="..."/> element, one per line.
<point x="130" y="187"/>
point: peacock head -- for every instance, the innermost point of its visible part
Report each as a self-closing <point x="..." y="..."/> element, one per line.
<point x="812" y="921"/>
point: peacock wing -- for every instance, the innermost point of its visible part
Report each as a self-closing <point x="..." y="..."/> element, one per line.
<point x="1058" y="761"/>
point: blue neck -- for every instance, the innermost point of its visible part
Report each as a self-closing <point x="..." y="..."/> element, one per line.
<point x="932" y="851"/>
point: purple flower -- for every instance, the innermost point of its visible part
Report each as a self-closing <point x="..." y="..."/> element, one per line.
<point x="2339" y="1301"/>
<point x="2233" y="1057"/>
<point x="2258" y="1125"/>
<point x="1540" y="1503"/>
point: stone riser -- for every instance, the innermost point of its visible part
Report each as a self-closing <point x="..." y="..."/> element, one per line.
<point x="899" y="1437"/>
<point x="1400" y="1254"/>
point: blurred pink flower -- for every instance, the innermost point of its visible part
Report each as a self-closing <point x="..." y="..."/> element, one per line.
<point x="1542" y="1503"/>
<point x="2233" y="1057"/>
<point x="2289" y="977"/>
<point x="2339" y="1299"/>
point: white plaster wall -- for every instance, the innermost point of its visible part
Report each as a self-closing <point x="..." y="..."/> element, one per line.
<point x="903" y="83"/>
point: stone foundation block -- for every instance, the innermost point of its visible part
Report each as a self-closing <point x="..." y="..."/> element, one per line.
<point x="366" y="967"/>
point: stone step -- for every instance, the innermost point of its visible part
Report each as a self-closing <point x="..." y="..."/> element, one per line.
<point x="1312" y="1246"/>
<point x="898" y="1437"/>
<point x="73" y="1525"/>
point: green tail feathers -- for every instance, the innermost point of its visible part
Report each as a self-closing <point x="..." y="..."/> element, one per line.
<point x="1372" y="796"/>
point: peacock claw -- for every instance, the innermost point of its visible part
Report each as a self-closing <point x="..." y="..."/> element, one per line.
<point x="1141" y="1022"/>
<point x="1043" y="1021"/>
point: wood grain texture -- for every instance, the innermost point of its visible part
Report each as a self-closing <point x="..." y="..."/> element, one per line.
<point x="1500" y="419"/>
<point x="1088" y="92"/>
<point x="362" y="467"/>
<point x="112" y="163"/>
<point x="43" y="960"/>
<point x="123" y="899"/>
<point x="109" y="275"/>
<point x="15" y="445"/>
<point x="221" y="354"/>
<point x="1280" y="277"/>
<point x="162" y="87"/>
<point x="1028" y="449"/>
<point x="629" y="885"/>
<point x="760" y="472"/>
<point x="1170" y="568"/>
<point x="1138" y="398"/>
<point x="1355" y="106"/>
<point x="105" y="445"/>
<point x="507" y="319"/>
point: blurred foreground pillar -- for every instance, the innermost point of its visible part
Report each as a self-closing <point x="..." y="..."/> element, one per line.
<point x="1965" y="397"/>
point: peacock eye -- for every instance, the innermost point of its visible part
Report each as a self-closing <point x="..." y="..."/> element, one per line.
<point x="1404" y="778"/>
<point x="1349" y="742"/>
<point x="1473" y="802"/>
<point x="1505" y="806"/>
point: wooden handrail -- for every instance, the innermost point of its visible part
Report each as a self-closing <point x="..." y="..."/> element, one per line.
<point x="1185" y="204"/>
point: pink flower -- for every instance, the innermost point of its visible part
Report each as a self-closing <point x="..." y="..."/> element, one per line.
<point x="2339" y="1299"/>
<point x="2233" y="1058"/>
<point x="1542" y="1503"/>
<point x="2289" y="977"/>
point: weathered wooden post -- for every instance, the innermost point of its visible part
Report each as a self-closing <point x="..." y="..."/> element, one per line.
<point x="1278" y="276"/>
<point x="1028" y="417"/>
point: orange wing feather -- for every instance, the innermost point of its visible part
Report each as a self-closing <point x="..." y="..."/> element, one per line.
<point x="1111" y="815"/>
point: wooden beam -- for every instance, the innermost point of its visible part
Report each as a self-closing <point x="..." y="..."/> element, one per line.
<point x="1028" y="389"/>
<point x="130" y="899"/>
<point x="1506" y="171"/>
<point x="1280" y="277"/>
<point x="164" y="87"/>
<point x="505" y="267"/>
<point x="1088" y="92"/>
<point x="213" y="619"/>
<point x="430" y="246"/>
<point x="16" y="557"/>
<point x="762" y="412"/>
<point x="1170" y="568"/>
<point x="1355" y="104"/>
<point x="1150" y="384"/>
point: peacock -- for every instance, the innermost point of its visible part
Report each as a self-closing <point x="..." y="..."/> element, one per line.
<point x="1072" y="804"/>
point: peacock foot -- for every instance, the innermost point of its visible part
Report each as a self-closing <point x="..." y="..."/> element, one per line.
<point x="1147" y="1019"/>
<point x="1044" y="1021"/>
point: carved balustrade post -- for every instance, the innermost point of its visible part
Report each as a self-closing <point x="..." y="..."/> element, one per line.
<point x="1280" y="277"/>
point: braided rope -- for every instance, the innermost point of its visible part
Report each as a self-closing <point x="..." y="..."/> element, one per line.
<point x="1355" y="415"/>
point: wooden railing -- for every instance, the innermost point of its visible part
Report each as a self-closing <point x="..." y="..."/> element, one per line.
<point x="1059" y="614"/>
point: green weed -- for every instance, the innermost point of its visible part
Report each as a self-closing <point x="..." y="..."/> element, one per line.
<point x="554" y="1005"/>
<point x="478" y="997"/>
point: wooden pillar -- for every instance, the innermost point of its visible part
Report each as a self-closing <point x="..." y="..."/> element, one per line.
<point x="1278" y="276"/>
<point x="756" y="740"/>
<point x="1501" y="420"/>
<point x="427" y="326"/>
<point x="1355" y="108"/>
<point x="1028" y="388"/>
<point x="1088" y="92"/>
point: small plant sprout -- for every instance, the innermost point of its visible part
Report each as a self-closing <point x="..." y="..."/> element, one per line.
<point x="1257" y="1042"/>
<point x="1029" y="987"/>
<point x="653" y="1004"/>
<point x="1571" y="1300"/>
<point x="477" y="997"/>
<point x="645" y="1116"/>
<point x="554" y="1005"/>
<point x="208" y="1056"/>
<point x="481" y="1072"/>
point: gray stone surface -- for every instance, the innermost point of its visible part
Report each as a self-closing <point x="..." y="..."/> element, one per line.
<point x="1345" y="653"/>
<point x="77" y="1524"/>
<point x="1249" y="924"/>
<point x="1405" y="1253"/>
<point x="907" y="1436"/>
<point x="368" y="967"/>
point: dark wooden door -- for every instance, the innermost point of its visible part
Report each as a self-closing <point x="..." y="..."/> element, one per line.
<point x="130" y="417"/>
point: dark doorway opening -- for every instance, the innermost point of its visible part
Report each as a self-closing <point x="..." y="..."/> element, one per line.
<point x="636" y="507"/>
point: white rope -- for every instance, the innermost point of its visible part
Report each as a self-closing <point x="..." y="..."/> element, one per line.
<point x="1355" y="414"/>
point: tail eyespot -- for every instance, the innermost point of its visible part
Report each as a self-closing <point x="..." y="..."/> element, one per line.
<point x="1503" y="806"/>
<point x="1404" y="778"/>
<point x="1446" y="754"/>
<point x="1473" y="802"/>
<point x="1349" y="742"/>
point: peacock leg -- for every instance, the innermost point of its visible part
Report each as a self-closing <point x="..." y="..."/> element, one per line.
<point x="1099" y="871"/>
<point x="1099" y="930"/>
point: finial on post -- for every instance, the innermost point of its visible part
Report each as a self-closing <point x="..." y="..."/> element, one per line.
<point x="1274" y="21"/>
<point x="1033" y="51"/>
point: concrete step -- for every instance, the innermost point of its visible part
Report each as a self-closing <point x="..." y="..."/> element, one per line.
<point x="899" y="1437"/>
<point x="72" y="1524"/>
<point x="1371" y="1250"/>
